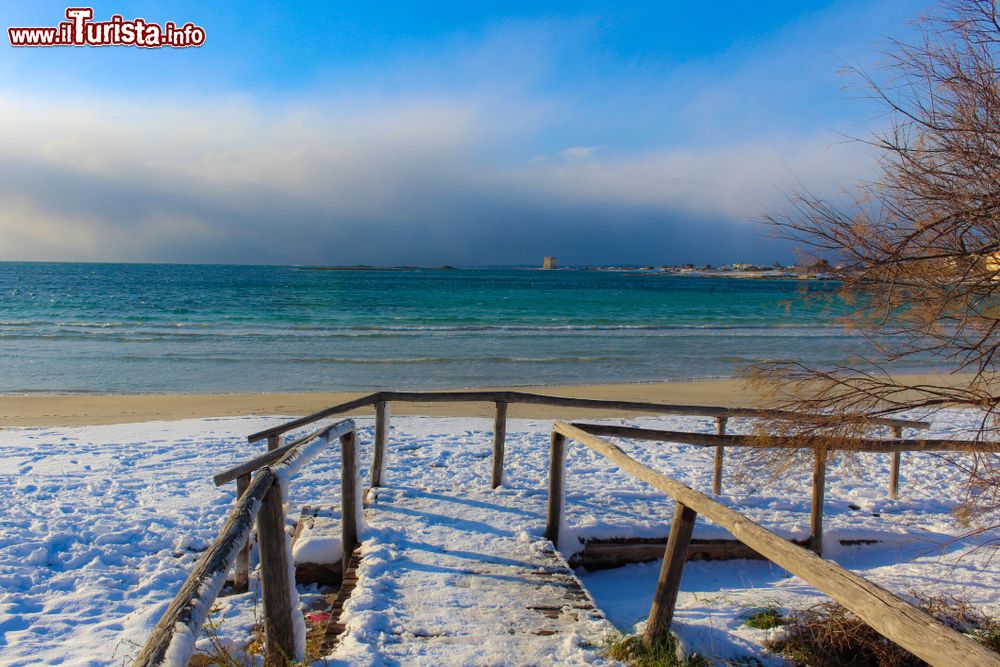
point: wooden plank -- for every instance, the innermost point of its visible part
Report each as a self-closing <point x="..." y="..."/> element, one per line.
<point x="191" y="605"/>
<point x="669" y="584"/>
<point x="720" y="452"/>
<point x="320" y="520"/>
<point x="275" y="557"/>
<point x="499" y="443"/>
<point x="335" y="627"/>
<point x="789" y="442"/>
<point x="698" y="410"/>
<point x="818" y="494"/>
<point x="360" y="402"/>
<point x="274" y="455"/>
<point x="444" y="396"/>
<point x="273" y="442"/>
<point x="610" y="553"/>
<point x="895" y="619"/>
<point x="568" y="401"/>
<point x="381" y="436"/>
<point x="557" y="463"/>
<point x="241" y="577"/>
<point x="897" y="432"/>
<point x="349" y="501"/>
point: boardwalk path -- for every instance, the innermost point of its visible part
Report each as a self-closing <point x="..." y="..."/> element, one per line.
<point x="461" y="576"/>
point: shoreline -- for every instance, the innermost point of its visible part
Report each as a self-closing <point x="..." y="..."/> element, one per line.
<point x="55" y="410"/>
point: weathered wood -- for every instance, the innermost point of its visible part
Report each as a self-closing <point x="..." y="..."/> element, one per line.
<point x="241" y="576"/>
<point x="720" y="452"/>
<point x="350" y="503"/>
<point x="629" y="406"/>
<point x="699" y="410"/>
<point x="499" y="443"/>
<point x="669" y="584"/>
<point x="275" y="561"/>
<point x="461" y="396"/>
<point x="790" y="442"/>
<point x="557" y="463"/>
<point x="381" y="436"/>
<point x="897" y="432"/>
<point x="273" y="442"/>
<point x="276" y="454"/>
<point x="818" y="494"/>
<point x="192" y="603"/>
<point x="895" y="619"/>
<point x="360" y="402"/>
<point x="324" y="521"/>
<point x="598" y="554"/>
<point x="569" y="401"/>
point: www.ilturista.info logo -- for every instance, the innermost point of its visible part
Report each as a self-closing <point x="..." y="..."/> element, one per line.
<point x="81" y="30"/>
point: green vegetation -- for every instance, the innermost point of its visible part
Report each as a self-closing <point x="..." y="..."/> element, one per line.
<point x="766" y="619"/>
<point x="634" y="651"/>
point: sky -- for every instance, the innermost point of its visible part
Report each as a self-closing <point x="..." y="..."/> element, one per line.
<point x="436" y="133"/>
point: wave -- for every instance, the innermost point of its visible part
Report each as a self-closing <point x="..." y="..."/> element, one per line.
<point x="256" y="359"/>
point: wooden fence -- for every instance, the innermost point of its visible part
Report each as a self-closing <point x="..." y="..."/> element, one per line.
<point x="892" y="617"/>
<point x="503" y="399"/>
<point x="821" y="449"/>
<point x="260" y="500"/>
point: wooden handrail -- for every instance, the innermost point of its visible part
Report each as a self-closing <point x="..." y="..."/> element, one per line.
<point x="192" y="603"/>
<point x="790" y="442"/>
<point x="281" y="429"/>
<point x="530" y="398"/>
<point x="892" y="617"/>
<point x="179" y="627"/>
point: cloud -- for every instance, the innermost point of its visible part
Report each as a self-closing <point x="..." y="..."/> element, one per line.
<point x="578" y="152"/>
<point x="645" y="166"/>
<point x="401" y="180"/>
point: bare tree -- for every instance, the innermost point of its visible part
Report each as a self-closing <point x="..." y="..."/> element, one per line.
<point x="918" y="249"/>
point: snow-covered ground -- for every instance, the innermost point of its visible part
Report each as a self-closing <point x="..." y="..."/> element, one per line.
<point x="100" y="525"/>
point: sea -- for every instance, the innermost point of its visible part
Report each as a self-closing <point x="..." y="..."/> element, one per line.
<point x="136" y="328"/>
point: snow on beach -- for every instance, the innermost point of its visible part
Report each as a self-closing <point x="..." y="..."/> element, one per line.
<point x="100" y="525"/>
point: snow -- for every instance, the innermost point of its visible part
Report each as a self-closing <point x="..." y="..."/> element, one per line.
<point x="100" y="525"/>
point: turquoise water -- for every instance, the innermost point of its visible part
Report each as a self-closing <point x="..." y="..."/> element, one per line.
<point x="183" y="328"/>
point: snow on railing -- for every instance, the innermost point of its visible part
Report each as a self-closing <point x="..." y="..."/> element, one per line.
<point x="261" y="499"/>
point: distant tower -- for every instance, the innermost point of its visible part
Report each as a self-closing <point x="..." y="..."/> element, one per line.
<point x="549" y="263"/>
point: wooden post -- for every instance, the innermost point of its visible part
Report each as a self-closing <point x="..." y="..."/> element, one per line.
<point x="348" y="496"/>
<point x="897" y="432"/>
<point x="272" y="442"/>
<point x="279" y="631"/>
<point x="381" y="435"/>
<point x="241" y="576"/>
<point x="499" y="441"/>
<point x="557" y="462"/>
<point x="720" y="429"/>
<point x="669" y="584"/>
<point x="819" y="488"/>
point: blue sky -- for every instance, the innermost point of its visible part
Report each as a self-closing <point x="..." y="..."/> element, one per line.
<point x="435" y="133"/>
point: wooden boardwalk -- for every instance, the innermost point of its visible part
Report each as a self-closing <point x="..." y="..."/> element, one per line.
<point x="453" y="578"/>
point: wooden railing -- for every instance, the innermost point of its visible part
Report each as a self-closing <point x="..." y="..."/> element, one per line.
<point x="260" y="499"/>
<point x="502" y="399"/>
<point x="892" y="617"/>
<point x="820" y="447"/>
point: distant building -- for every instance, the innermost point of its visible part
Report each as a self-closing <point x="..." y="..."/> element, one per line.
<point x="549" y="263"/>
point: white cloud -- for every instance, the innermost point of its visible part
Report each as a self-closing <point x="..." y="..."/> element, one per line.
<point x="99" y="179"/>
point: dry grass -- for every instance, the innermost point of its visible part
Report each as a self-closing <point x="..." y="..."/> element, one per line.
<point x="828" y="635"/>
<point x="222" y="654"/>
<point x="634" y="651"/>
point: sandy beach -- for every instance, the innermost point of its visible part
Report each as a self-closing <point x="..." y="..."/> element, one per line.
<point x="92" y="409"/>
